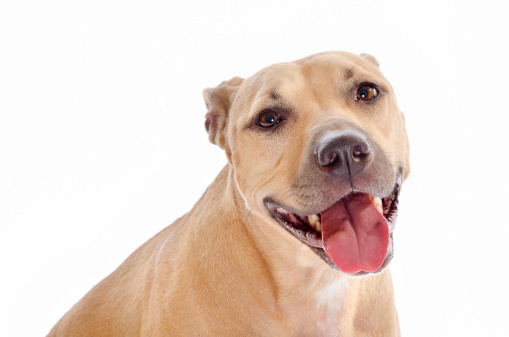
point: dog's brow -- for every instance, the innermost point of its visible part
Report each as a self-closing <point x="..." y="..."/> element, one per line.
<point x="348" y="73"/>
<point x="280" y="103"/>
<point x="275" y="100"/>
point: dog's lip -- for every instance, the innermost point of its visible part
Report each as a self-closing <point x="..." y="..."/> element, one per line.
<point x="390" y="205"/>
<point x="298" y="227"/>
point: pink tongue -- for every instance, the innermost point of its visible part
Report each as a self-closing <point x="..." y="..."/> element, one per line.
<point x="355" y="234"/>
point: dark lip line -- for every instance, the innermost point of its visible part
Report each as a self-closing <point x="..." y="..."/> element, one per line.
<point x="271" y="205"/>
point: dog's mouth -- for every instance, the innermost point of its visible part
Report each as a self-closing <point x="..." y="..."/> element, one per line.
<point x="354" y="234"/>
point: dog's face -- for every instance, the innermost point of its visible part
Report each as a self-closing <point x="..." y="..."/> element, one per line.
<point x="319" y="147"/>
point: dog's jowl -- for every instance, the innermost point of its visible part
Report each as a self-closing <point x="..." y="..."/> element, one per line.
<point x="294" y="236"/>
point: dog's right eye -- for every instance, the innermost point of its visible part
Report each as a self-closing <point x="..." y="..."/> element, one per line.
<point x="268" y="118"/>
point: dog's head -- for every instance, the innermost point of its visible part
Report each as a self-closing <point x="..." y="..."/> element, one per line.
<point x="319" y="147"/>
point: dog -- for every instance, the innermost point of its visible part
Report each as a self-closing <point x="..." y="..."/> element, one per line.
<point x="294" y="236"/>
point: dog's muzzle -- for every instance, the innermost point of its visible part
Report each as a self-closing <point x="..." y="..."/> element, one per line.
<point x="350" y="208"/>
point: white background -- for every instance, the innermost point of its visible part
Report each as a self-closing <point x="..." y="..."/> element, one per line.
<point x="102" y="141"/>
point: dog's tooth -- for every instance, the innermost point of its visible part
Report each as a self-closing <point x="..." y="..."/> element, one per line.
<point x="378" y="203"/>
<point x="314" y="221"/>
<point x="313" y="218"/>
<point x="318" y="227"/>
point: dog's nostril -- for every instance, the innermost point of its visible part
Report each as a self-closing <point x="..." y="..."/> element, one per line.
<point x="358" y="153"/>
<point x="331" y="158"/>
<point x="327" y="159"/>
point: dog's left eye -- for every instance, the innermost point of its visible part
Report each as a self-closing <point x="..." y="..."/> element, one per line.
<point x="268" y="118"/>
<point x="367" y="92"/>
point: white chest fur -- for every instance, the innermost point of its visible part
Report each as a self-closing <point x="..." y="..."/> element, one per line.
<point x="328" y="305"/>
<point x="317" y="315"/>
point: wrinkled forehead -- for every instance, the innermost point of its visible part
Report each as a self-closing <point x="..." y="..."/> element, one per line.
<point x="318" y="78"/>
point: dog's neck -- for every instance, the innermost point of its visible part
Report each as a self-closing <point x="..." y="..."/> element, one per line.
<point x="257" y="262"/>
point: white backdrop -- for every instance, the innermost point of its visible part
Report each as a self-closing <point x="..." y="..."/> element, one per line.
<point x="102" y="141"/>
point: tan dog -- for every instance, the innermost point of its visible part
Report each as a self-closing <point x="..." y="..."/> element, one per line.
<point x="317" y="151"/>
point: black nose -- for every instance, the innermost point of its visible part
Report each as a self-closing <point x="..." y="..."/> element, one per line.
<point x="345" y="153"/>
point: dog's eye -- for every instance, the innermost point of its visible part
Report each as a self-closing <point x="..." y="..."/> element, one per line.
<point x="367" y="91"/>
<point x="268" y="118"/>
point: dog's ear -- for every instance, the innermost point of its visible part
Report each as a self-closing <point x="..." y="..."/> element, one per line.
<point x="370" y="58"/>
<point x="218" y="101"/>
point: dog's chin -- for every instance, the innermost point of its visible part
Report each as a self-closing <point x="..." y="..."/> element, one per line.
<point x="307" y="227"/>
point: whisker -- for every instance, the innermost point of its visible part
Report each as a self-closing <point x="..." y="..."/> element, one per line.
<point x="291" y="194"/>
<point x="281" y="190"/>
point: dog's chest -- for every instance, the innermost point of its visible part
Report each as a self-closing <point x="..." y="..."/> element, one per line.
<point x="319" y="316"/>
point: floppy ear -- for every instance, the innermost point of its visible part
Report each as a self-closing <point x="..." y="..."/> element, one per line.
<point x="218" y="101"/>
<point x="370" y="58"/>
